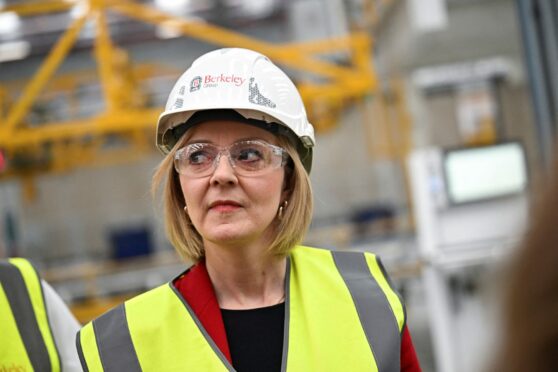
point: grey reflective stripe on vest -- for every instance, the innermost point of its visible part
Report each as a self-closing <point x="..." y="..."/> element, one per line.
<point x="287" y="319"/>
<point x="24" y="315"/>
<point x="80" y="353"/>
<point x="376" y="316"/>
<point x="116" y="350"/>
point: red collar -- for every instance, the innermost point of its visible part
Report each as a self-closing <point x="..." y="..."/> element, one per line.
<point x="196" y="288"/>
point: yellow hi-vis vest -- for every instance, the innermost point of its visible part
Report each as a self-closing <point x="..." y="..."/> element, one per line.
<point x="341" y="314"/>
<point x="26" y="341"/>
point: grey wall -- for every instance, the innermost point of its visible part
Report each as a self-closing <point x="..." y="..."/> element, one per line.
<point x="476" y="30"/>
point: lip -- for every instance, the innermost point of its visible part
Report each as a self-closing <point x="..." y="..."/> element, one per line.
<point x="224" y="205"/>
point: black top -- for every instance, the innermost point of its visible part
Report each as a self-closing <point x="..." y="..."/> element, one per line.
<point x="255" y="337"/>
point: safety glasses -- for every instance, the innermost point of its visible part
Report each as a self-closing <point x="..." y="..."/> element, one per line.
<point x="247" y="158"/>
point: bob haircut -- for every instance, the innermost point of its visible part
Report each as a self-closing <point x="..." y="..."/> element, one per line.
<point x="288" y="231"/>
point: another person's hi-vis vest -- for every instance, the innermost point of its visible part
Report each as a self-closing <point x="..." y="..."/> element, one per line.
<point x="26" y="341"/>
<point x="341" y="314"/>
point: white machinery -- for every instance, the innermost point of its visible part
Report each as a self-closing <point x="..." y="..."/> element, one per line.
<point x="471" y="209"/>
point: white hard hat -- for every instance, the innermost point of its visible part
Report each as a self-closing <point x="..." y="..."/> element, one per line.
<point x="246" y="82"/>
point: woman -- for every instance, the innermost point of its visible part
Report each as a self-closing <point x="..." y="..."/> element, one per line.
<point x="530" y="336"/>
<point x="237" y="202"/>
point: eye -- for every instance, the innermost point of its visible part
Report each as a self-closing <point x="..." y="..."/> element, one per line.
<point x="198" y="154"/>
<point x="198" y="157"/>
<point x="250" y="154"/>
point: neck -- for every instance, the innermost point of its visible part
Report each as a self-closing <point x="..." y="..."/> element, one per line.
<point x="245" y="278"/>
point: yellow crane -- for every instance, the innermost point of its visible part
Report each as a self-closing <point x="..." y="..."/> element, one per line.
<point x="61" y="145"/>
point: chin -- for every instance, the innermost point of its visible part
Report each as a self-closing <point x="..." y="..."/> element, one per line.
<point x="233" y="235"/>
<point x="235" y="231"/>
<point x="227" y="235"/>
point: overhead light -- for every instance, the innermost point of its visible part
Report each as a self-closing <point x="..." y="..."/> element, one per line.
<point x="258" y="8"/>
<point x="174" y="6"/>
<point x="14" y="50"/>
<point x="78" y="10"/>
<point x="428" y="15"/>
<point x="167" y="31"/>
<point x="9" y="23"/>
<point x="171" y="29"/>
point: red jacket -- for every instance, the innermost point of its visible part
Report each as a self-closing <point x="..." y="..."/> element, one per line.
<point x="196" y="288"/>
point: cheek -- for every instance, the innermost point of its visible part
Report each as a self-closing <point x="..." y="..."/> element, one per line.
<point x="270" y="193"/>
<point x="188" y="189"/>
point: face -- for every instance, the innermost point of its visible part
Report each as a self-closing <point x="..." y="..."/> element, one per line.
<point x="226" y="208"/>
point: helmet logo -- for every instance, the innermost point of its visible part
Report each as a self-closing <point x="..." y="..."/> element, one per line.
<point x="256" y="97"/>
<point x="213" y="81"/>
<point x="178" y="104"/>
<point x="195" y="84"/>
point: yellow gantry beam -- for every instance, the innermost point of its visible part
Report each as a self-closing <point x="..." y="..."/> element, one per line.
<point x="291" y="55"/>
<point x="103" y="53"/>
<point x="39" y="7"/>
<point x="114" y="123"/>
<point x="43" y="75"/>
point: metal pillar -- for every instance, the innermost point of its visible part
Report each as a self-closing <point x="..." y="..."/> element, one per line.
<point x="539" y="27"/>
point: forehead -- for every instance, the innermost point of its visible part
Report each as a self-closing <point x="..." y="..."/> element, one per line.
<point x="225" y="132"/>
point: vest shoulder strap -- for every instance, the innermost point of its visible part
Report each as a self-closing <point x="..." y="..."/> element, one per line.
<point x="23" y="290"/>
<point x="379" y="309"/>
<point x="354" y="265"/>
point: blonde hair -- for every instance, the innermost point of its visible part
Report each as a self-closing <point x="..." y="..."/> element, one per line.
<point x="288" y="230"/>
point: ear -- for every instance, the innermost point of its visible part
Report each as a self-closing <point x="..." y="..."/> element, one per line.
<point x="285" y="195"/>
<point x="287" y="184"/>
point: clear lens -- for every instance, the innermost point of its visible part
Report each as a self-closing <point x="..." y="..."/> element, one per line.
<point x="250" y="156"/>
<point x="198" y="157"/>
<point x="247" y="158"/>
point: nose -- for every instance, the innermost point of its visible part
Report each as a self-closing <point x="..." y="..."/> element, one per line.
<point x="224" y="172"/>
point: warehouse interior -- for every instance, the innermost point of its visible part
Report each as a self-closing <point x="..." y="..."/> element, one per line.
<point x="403" y="95"/>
